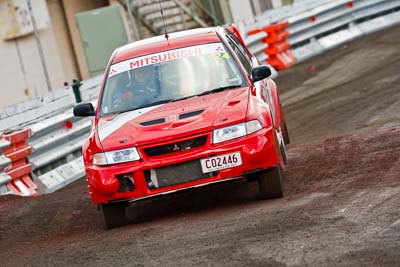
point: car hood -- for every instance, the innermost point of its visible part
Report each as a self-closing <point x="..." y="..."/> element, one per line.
<point x="173" y="120"/>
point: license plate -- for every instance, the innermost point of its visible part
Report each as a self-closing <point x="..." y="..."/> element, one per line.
<point x="221" y="162"/>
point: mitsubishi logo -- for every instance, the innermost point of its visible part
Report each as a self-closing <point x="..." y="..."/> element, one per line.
<point x="176" y="148"/>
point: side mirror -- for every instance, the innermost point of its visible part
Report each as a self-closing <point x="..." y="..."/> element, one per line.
<point x="260" y="73"/>
<point x="84" y="110"/>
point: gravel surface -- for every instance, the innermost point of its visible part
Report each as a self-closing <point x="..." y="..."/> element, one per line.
<point x="342" y="203"/>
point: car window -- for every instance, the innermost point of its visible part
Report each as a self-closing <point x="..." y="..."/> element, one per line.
<point x="169" y="76"/>
<point x="239" y="45"/>
<point x="245" y="61"/>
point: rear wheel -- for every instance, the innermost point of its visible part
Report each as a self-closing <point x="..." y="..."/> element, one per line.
<point x="113" y="215"/>
<point x="270" y="183"/>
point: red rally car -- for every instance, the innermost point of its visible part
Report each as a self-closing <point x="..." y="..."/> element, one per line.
<point x="179" y="112"/>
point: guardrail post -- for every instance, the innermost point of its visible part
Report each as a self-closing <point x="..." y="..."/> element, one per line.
<point x="77" y="93"/>
<point x="277" y="49"/>
<point x="20" y="170"/>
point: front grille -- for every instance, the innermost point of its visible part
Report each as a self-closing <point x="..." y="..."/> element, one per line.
<point x="176" y="174"/>
<point x="176" y="147"/>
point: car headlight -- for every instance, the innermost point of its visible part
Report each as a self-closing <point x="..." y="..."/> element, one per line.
<point x="235" y="131"/>
<point x="116" y="156"/>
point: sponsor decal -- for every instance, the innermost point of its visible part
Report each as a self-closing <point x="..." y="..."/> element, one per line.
<point x="198" y="50"/>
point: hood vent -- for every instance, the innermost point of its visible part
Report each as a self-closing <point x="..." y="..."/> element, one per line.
<point x="152" y="122"/>
<point x="190" y="114"/>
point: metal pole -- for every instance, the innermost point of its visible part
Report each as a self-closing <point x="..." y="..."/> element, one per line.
<point x="39" y="45"/>
<point x="139" y="23"/>
<point x="183" y="19"/>
<point x="133" y="24"/>
<point x="212" y="7"/>
<point x="21" y="62"/>
<point x="253" y="10"/>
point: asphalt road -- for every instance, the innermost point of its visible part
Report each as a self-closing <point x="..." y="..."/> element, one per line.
<point x="342" y="203"/>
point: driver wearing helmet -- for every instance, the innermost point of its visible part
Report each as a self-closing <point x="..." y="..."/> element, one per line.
<point x="139" y="91"/>
<point x="144" y="82"/>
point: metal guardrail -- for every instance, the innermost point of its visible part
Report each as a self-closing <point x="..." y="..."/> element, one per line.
<point x="21" y="114"/>
<point x="4" y="163"/>
<point x="56" y="135"/>
<point x="57" y="142"/>
<point x="62" y="131"/>
<point x="256" y="46"/>
<point x="40" y="108"/>
<point x="61" y="176"/>
<point x="317" y="26"/>
<point x="272" y="16"/>
<point x="328" y="26"/>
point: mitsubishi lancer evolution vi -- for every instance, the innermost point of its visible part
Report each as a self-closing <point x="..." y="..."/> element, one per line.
<point x="182" y="111"/>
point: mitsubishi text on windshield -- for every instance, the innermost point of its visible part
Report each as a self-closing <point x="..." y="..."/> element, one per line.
<point x="169" y="76"/>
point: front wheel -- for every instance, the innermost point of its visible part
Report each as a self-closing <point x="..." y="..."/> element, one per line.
<point x="282" y="147"/>
<point x="270" y="183"/>
<point x="284" y="129"/>
<point x="113" y="215"/>
<point x="285" y="134"/>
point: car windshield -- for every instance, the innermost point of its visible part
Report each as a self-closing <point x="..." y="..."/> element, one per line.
<point x="169" y="76"/>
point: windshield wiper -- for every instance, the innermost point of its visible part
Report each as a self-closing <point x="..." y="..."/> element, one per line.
<point x="220" y="89"/>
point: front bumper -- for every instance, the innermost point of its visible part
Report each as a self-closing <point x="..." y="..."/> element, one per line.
<point x="257" y="151"/>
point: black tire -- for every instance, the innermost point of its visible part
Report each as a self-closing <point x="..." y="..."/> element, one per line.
<point x="285" y="132"/>
<point x="283" y="153"/>
<point x="270" y="183"/>
<point x="113" y="215"/>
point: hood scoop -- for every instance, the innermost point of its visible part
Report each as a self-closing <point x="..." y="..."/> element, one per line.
<point x="152" y="122"/>
<point x="190" y="114"/>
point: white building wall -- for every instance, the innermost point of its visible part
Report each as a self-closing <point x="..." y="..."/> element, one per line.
<point x="241" y="10"/>
<point x="276" y="3"/>
<point x="11" y="78"/>
<point x="14" y="85"/>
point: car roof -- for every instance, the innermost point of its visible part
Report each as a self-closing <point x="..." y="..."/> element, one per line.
<point x="160" y="43"/>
